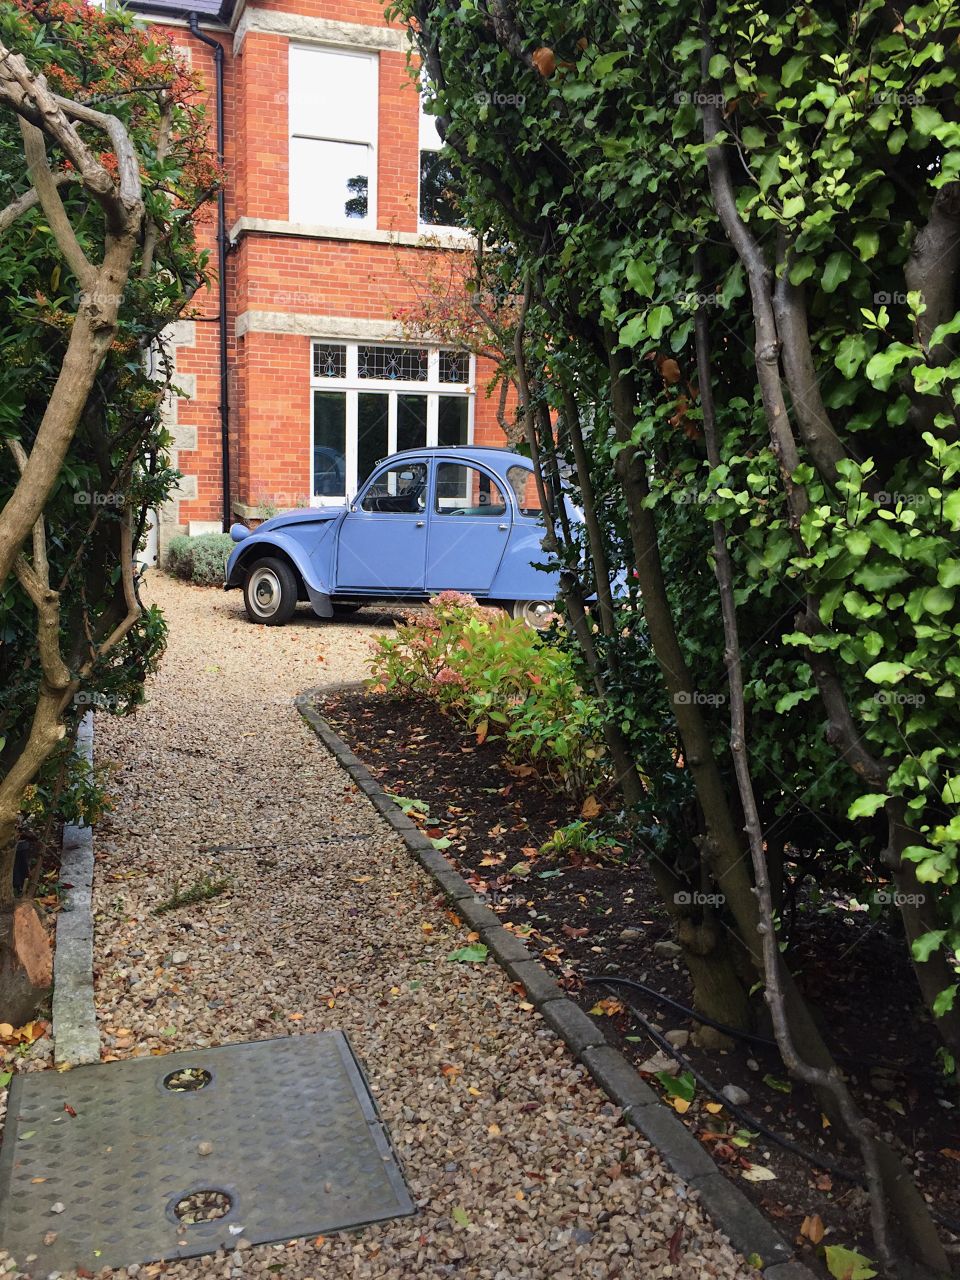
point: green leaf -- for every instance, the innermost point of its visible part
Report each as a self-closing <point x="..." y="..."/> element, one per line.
<point x="948" y="574"/>
<point x="781" y="1086"/>
<point x="791" y="699"/>
<point x="844" y="1264"/>
<point x="634" y="331"/>
<point x="951" y="790"/>
<point x="5" y="1078"/>
<point x="887" y="672"/>
<point x="658" y="319"/>
<point x="867" y="806"/>
<point x="924" y="946"/>
<point x="792" y="70"/>
<point x="945" y="1000"/>
<point x="459" y="1216"/>
<point x="926" y="120"/>
<point x="681" y="1086"/>
<point x="837" y="269"/>
<point x="441" y="842"/>
<point x="867" y="243"/>
<point x="850" y="354"/>
<point x="640" y="279"/>
<point x="476" y="953"/>
<point x="520" y="869"/>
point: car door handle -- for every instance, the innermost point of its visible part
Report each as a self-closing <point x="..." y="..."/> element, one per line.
<point x="420" y="524"/>
<point x="503" y="527"/>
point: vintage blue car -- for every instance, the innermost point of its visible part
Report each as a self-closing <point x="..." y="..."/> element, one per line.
<point x="427" y="520"/>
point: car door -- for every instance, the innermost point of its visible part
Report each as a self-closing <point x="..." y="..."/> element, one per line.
<point x="382" y="545"/>
<point x="470" y="524"/>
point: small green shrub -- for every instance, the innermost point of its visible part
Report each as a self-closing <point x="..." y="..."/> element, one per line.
<point x="200" y="560"/>
<point x="500" y="677"/>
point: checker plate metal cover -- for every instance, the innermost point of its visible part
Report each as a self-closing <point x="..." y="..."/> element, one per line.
<point x="297" y="1143"/>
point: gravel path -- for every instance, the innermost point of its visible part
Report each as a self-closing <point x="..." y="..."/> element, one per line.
<point x="329" y="923"/>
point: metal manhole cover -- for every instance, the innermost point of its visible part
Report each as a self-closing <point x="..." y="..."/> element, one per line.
<point x="295" y="1147"/>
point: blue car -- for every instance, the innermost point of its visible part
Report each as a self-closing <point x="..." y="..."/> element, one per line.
<point x="426" y="520"/>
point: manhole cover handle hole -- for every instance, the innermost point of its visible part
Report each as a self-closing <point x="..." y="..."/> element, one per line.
<point x="187" y="1080"/>
<point x="202" y="1206"/>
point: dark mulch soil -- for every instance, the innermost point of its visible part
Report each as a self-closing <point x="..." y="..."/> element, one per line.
<point x="587" y="919"/>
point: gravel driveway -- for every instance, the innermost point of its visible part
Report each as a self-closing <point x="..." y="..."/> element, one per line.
<point x="328" y="923"/>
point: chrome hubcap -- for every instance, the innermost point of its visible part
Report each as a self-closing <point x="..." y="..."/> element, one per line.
<point x="534" y="612"/>
<point x="264" y="592"/>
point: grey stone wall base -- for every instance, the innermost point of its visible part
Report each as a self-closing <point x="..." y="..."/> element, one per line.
<point x="728" y="1207"/>
<point x="76" y="1038"/>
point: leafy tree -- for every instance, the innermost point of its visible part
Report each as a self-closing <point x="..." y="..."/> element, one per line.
<point x="735" y="232"/>
<point x="104" y="166"/>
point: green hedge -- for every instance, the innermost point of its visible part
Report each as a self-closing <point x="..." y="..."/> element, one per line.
<point x="201" y="560"/>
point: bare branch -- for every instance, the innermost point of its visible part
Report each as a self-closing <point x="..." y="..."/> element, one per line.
<point x="816" y="430"/>
<point x="30" y="199"/>
<point x="30" y="97"/>
<point x="41" y="175"/>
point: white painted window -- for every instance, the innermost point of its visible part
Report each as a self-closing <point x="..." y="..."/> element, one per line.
<point x="333" y="136"/>
<point x="371" y="399"/>
<point x="438" y="177"/>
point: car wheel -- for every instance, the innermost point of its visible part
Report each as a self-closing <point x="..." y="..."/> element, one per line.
<point x="533" y="612"/>
<point x="270" y="592"/>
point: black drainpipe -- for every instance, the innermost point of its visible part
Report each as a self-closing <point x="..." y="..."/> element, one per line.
<point x="217" y="48"/>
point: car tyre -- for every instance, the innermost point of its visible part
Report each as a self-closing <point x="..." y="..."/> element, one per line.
<point x="532" y="612"/>
<point x="270" y="592"/>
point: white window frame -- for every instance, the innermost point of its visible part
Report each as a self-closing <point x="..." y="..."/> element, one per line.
<point x="428" y="139"/>
<point x="352" y="385"/>
<point x="344" y="135"/>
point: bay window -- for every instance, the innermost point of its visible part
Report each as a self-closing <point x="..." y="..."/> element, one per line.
<point x="333" y="136"/>
<point x="374" y="399"/>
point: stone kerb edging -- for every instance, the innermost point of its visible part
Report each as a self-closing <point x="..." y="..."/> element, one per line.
<point x="76" y="1038"/>
<point x="728" y="1207"/>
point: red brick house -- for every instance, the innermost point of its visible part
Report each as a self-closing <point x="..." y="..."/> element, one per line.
<point x="330" y="218"/>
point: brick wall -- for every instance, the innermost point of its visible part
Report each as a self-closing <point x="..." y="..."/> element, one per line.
<point x="301" y="275"/>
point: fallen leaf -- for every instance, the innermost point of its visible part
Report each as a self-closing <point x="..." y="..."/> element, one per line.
<point x="781" y="1086"/>
<point x="714" y="1107"/>
<point x="475" y="954"/>
<point x="493" y="1130"/>
<point x="590" y="807"/>
<point x="950" y="1153"/>
<point x="757" y="1173"/>
<point x="609" y="1007"/>
<point x="450" y="1070"/>
<point x="680" y="1105"/>
<point x="361" y="879"/>
<point x="69" y="1110"/>
<point x="459" y="1216"/>
<point x="295" y="1017"/>
<point x="674" y="1245"/>
<point x="571" y="932"/>
<point x="844" y="1264"/>
<point x="812" y="1227"/>
<point x="483" y="729"/>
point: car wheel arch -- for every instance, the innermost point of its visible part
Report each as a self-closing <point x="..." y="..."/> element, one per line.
<point x="264" y="549"/>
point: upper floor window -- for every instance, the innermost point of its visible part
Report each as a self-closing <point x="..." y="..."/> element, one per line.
<point x="333" y="136"/>
<point x="439" y="180"/>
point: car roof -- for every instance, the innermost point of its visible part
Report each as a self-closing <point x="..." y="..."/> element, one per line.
<point x="493" y="457"/>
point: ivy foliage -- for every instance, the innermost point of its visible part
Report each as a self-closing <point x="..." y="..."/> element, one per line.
<point x="579" y="130"/>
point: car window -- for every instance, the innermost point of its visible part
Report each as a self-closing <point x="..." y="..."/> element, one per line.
<point x="402" y="488"/>
<point x="524" y="485"/>
<point x="467" y="491"/>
